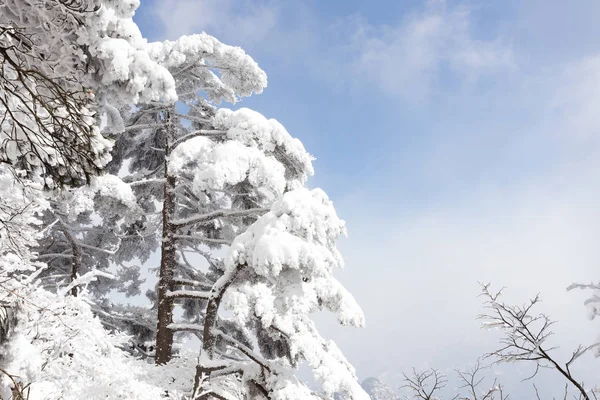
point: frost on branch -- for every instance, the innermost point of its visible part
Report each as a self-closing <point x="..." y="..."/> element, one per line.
<point x="20" y="204"/>
<point x="47" y="126"/>
<point x="62" y="64"/>
<point x="62" y="351"/>
<point x="525" y="337"/>
<point x="288" y="257"/>
<point x="92" y="43"/>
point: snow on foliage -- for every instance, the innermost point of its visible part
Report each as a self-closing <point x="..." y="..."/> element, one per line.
<point x="255" y="150"/>
<point x="95" y="42"/>
<point x="239" y="73"/>
<point x="289" y="256"/>
<point x="62" y="63"/>
<point x="113" y="192"/>
<point x="254" y="130"/>
<point x="61" y="349"/>
<point x="20" y="204"/>
<point x="86" y="230"/>
<point x="218" y="166"/>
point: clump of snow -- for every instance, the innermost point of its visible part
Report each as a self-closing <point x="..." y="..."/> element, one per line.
<point x="217" y="166"/>
<point x="126" y="71"/>
<point x="117" y="196"/>
<point x="254" y="130"/>
<point x="240" y="74"/>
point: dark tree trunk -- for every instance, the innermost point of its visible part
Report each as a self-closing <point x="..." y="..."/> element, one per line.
<point x="8" y="320"/>
<point x="168" y="260"/>
<point x="76" y="263"/>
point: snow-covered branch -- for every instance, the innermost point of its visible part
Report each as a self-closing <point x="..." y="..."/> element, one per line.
<point x="87" y="278"/>
<point x="146" y="182"/>
<point x="203" y="239"/>
<point x="248" y="352"/>
<point x="181" y="327"/>
<point x="54" y="255"/>
<point x="98" y="249"/>
<point x="142" y="126"/>
<point x="191" y="282"/>
<point x="188" y="294"/>
<point x="193" y="118"/>
<point x="211" y="216"/>
<point x="201" y="132"/>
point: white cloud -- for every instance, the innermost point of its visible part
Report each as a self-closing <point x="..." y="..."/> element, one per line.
<point x="576" y="97"/>
<point x="247" y="21"/>
<point x="415" y="272"/>
<point x="408" y="59"/>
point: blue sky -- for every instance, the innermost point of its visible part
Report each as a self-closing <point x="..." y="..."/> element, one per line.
<point x="459" y="140"/>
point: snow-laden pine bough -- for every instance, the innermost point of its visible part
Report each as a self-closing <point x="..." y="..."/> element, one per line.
<point x="276" y="274"/>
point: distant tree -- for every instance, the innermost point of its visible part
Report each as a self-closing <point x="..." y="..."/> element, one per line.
<point x="525" y="339"/>
<point x="428" y="385"/>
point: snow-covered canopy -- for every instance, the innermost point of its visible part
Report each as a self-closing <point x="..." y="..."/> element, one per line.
<point x="254" y="150"/>
<point x="289" y="256"/>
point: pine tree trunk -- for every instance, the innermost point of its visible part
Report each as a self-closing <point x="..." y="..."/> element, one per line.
<point x="76" y="263"/>
<point x="164" y="335"/>
<point x="8" y="320"/>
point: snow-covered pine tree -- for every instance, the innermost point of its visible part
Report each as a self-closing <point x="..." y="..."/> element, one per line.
<point x="84" y="230"/>
<point x="249" y="173"/>
<point x="276" y="275"/>
<point x="215" y="171"/>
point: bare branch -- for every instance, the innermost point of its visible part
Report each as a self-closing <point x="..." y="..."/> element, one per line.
<point x="525" y="337"/>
